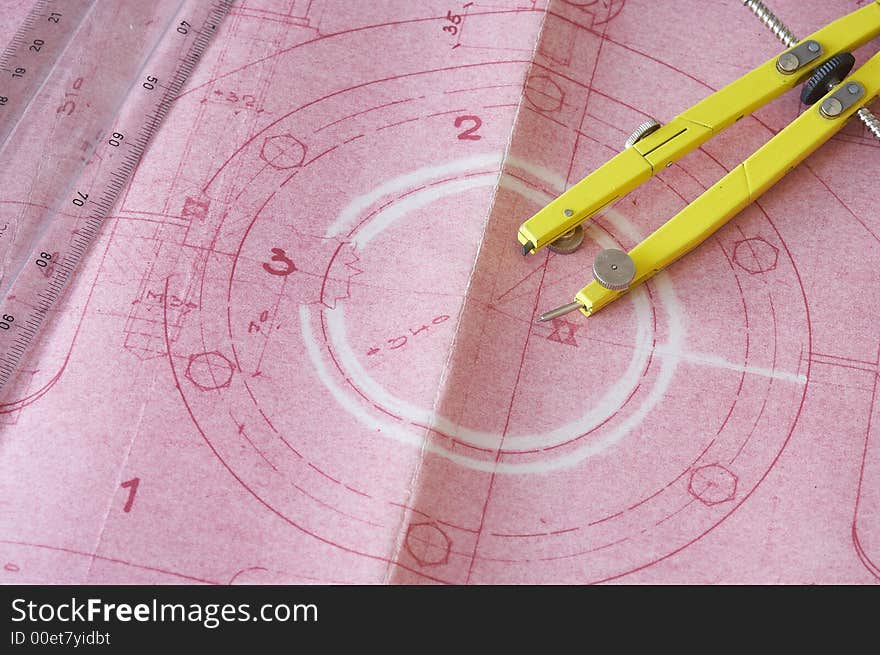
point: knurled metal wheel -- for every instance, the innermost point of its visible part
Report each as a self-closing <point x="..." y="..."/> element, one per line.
<point x="827" y="76"/>
<point x="648" y="127"/>
<point x="568" y="242"/>
<point x="614" y="269"/>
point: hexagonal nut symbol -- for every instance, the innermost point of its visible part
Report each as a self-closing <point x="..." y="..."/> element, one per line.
<point x="544" y="94"/>
<point x="428" y="544"/>
<point x="209" y="370"/>
<point x="755" y="255"/>
<point x="712" y="484"/>
<point x="283" y="151"/>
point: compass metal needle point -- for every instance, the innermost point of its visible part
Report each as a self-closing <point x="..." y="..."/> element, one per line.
<point x="559" y="311"/>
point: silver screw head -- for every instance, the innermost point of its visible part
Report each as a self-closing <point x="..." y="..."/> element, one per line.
<point x="787" y="63"/>
<point x="853" y="89"/>
<point x="614" y="269"/>
<point x="812" y="46"/>
<point x="831" y="107"/>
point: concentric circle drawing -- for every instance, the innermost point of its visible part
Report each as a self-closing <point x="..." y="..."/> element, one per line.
<point x="366" y="292"/>
<point x="307" y="347"/>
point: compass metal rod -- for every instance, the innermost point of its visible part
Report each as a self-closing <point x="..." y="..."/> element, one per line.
<point x="784" y="34"/>
<point x="559" y="311"/>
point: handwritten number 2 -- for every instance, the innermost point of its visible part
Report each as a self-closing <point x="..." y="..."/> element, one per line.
<point x="469" y="134"/>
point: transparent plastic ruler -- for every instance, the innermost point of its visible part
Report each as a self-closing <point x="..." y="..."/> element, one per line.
<point x="84" y="85"/>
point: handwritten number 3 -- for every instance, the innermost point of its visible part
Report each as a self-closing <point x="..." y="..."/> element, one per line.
<point x="287" y="266"/>
<point x="469" y="134"/>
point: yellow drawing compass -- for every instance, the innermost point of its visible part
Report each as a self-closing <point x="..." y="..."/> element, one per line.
<point x="823" y="61"/>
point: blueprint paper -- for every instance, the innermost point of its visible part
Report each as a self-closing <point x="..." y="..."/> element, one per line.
<point x="305" y="349"/>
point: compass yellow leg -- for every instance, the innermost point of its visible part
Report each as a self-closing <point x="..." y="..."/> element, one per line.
<point x="692" y="128"/>
<point x="744" y="184"/>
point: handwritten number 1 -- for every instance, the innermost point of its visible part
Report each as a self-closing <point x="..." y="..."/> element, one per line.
<point x="132" y="486"/>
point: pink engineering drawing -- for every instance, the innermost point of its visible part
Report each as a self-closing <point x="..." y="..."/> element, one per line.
<point x="305" y="349"/>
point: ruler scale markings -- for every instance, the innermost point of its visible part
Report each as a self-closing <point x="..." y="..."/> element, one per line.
<point x="116" y="82"/>
<point x="55" y="37"/>
<point x="49" y="290"/>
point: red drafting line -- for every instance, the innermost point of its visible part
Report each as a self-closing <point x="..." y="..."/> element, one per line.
<point x="296" y="452"/>
<point x="366" y="111"/>
<point x="746" y="496"/>
<point x="444" y="113"/>
<point x="848" y="359"/>
<point x="842" y="365"/>
<point x="498" y="454"/>
<point x="330" y="36"/>
<point x="430" y="518"/>
<point x="336" y="510"/>
<point x="254" y="137"/>
<point x="534" y="534"/>
<point x="842" y="203"/>
<point x="480" y="88"/>
<point x="607" y="518"/>
<point x="488" y="47"/>
<point x="322" y="295"/>
<point x="586" y="106"/>
<point x="580" y="552"/>
<point x="332" y="479"/>
<point x="104" y="558"/>
<point x="255" y="495"/>
<point x="769" y="384"/>
<point x="250" y="441"/>
<point x="268" y="422"/>
<point x="676" y="512"/>
<point x="244" y="237"/>
<point x="14" y="405"/>
<point x="326" y="475"/>
<point x="745" y="314"/>
<point x="389" y="125"/>
<point x="686" y="471"/>
<point x="860" y="551"/>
